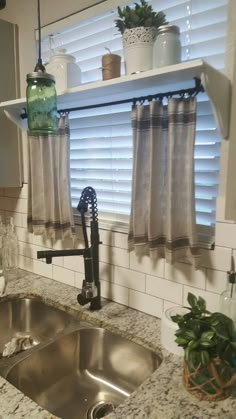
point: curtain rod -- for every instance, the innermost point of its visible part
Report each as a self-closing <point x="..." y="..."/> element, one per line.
<point x="192" y="91"/>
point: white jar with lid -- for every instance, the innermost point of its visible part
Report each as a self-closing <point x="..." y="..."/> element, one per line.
<point x="167" y="47"/>
<point x="65" y="70"/>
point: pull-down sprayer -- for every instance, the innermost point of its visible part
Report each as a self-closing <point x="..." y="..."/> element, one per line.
<point x="91" y="289"/>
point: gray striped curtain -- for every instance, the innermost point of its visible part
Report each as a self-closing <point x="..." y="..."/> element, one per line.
<point x="162" y="219"/>
<point x="49" y="201"/>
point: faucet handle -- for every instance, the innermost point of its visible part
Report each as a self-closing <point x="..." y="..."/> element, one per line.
<point x="89" y="290"/>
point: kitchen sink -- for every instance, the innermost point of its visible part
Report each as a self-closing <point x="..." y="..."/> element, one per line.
<point x="84" y="374"/>
<point x="30" y="317"/>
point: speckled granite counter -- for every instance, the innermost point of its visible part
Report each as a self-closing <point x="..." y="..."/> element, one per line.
<point x="162" y="396"/>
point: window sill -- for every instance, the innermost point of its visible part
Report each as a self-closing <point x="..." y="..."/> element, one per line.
<point x="205" y="233"/>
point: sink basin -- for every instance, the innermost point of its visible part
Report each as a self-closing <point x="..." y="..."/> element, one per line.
<point x="22" y="317"/>
<point x="84" y="374"/>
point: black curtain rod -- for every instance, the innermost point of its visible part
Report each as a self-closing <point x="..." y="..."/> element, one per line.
<point x="192" y="91"/>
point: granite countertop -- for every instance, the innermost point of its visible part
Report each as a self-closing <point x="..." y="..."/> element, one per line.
<point x="161" y="396"/>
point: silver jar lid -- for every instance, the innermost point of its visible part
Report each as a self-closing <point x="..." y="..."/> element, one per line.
<point x="168" y="29"/>
<point x="40" y="75"/>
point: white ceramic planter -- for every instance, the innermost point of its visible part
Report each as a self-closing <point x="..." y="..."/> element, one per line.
<point x="138" y="49"/>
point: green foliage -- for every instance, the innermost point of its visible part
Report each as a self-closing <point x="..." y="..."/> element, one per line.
<point x="141" y="15"/>
<point x="205" y="335"/>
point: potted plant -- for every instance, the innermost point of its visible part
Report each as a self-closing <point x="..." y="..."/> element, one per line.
<point x="209" y="342"/>
<point x="138" y="26"/>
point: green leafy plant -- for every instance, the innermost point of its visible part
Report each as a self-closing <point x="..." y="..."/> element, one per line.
<point x="205" y="335"/>
<point x="141" y="15"/>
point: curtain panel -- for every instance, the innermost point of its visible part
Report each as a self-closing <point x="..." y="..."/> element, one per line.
<point x="49" y="200"/>
<point x="162" y="218"/>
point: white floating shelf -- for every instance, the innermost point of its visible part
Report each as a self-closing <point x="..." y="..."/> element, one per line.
<point x="178" y="76"/>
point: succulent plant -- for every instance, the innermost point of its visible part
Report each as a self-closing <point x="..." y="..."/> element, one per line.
<point x="141" y="15"/>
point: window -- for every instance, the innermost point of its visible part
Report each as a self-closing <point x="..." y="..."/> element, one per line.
<point x="101" y="139"/>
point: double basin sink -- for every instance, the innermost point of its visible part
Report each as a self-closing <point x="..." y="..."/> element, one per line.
<point x="74" y="369"/>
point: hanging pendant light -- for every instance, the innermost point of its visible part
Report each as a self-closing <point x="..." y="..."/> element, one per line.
<point x="41" y="95"/>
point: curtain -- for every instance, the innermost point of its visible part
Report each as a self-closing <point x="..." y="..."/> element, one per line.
<point x="49" y="201"/>
<point x="162" y="218"/>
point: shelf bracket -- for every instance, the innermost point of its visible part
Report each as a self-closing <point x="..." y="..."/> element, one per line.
<point x="218" y="88"/>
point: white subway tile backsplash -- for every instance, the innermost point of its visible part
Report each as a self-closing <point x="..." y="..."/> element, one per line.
<point x="186" y="274"/>
<point x="75" y="263"/>
<point x="142" y="284"/>
<point x="105" y="237"/>
<point x="17" y="218"/>
<point x="79" y="277"/>
<point x="13" y="192"/>
<point x="26" y="249"/>
<point x="23" y="220"/>
<point x="169" y="304"/>
<point x="4" y="204"/>
<point x="15" y="204"/>
<point x="219" y="258"/>
<point x="211" y="298"/>
<point x="105" y="253"/>
<point x="106" y="271"/>
<point x="63" y="244"/>
<point x="23" y="235"/>
<point x="147" y="265"/>
<point x="146" y="303"/>
<point x="120" y="240"/>
<point x="130" y="279"/>
<point x="114" y="255"/>
<point x="42" y="241"/>
<point x="164" y="289"/>
<point x="216" y="281"/>
<point x="59" y="261"/>
<point x="42" y="268"/>
<point x="63" y="275"/>
<point x="114" y="292"/>
<point x="26" y="263"/>
<point x="8" y="203"/>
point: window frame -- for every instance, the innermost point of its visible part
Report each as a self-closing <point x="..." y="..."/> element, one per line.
<point x="73" y="20"/>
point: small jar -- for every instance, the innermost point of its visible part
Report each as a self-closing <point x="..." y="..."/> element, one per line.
<point x="41" y="103"/>
<point x="167" y="47"/>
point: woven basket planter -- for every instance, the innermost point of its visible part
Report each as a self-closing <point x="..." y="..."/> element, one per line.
<point x="211" y="382"/>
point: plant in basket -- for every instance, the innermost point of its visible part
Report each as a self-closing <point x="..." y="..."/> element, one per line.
<point x="209" y="342"/>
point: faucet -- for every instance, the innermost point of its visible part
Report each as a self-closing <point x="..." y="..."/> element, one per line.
<point x="91" y="288"/>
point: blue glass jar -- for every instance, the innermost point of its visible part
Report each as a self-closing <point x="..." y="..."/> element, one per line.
<point x="41" y="103"/>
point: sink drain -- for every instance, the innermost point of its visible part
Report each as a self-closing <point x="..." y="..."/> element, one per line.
<point x="100" y="410"/>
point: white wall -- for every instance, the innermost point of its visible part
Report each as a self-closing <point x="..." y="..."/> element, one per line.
<point x="24" y="14"/>
<point x="125" y="279"/>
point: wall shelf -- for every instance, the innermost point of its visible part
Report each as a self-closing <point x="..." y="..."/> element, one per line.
<point x="178" y="76"/>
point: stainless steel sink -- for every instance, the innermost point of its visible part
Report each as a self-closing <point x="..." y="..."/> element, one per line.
<point x="22" y="317"/>
<point x="84" y="374"/>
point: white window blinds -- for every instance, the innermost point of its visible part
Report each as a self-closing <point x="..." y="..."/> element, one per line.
<point x="101" y="139"/>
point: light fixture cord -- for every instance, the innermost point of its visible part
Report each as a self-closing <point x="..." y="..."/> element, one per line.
<point x="39" y="66"/>
<point x="39" y="29"/>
